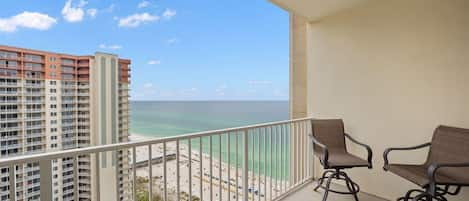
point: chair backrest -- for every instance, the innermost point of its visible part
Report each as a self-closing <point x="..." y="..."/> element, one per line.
<point x="450" y="145"/>
<point x="329" y="132"/>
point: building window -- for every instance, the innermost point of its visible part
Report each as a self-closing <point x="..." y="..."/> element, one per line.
<point x="53" y="90"/>
<point x="53" y="82"/>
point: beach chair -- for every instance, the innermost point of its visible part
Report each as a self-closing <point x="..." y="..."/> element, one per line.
<point x="447" y="166"/>
<point x="329" y="146"/>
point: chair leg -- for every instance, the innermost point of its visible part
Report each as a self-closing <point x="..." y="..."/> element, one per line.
<point x="328" y="185"/>
<point x="330" y="175"/>
<point x="351" y="186"/>
<point x="321" y="180"/>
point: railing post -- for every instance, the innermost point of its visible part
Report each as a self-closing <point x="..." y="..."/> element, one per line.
<point x="45" y="171"/>
<point x="311" y="149"/>
<point x="245" y="166"/>
<point x="12" y="179"/>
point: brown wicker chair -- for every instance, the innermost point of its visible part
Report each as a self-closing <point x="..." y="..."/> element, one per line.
<point x="447" y="166"/>
<point x="329" y="140"/>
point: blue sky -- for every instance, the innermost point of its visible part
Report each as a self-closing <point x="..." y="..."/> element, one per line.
<point x="180" y="50"/>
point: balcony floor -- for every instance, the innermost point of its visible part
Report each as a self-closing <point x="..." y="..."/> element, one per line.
<point x="307" y="193"/>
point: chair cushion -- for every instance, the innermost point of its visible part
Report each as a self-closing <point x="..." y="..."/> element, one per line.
<point x="345" y="160"/>
<point x="418" y="174"/>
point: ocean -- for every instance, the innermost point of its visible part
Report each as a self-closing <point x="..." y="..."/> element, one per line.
<point x="170" y="118"/>
<point x="156" y="119"/>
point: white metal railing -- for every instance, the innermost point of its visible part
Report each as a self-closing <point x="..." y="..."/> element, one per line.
<point x="258" y="162"/>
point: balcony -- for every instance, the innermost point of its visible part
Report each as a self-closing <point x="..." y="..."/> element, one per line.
<point x="252" y="149"/>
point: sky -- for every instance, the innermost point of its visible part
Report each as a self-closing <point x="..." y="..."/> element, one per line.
<point x="180" y="50"/>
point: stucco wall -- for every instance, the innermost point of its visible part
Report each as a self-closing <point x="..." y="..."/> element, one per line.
<point x="393" y="70"/>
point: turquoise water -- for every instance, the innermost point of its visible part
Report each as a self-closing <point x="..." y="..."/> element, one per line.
<point x="171" y="118"/>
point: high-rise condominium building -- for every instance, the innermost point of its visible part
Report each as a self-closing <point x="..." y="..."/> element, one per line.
<point x="50" y="102"/>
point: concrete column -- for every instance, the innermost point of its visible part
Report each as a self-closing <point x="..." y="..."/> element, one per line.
<point x="298" y="84"/>
<point x="298" y="66"/>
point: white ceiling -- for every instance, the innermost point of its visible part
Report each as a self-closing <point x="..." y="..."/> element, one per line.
<point x="316" y="9"/>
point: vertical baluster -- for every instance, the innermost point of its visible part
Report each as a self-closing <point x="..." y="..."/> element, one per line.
<point x="303" y="151"/>
<point x="281" y="157"/>
<point x="201" y="170"/>
<point x="271" y="162"/>
<point x="311" y="151"/>
<point x="290" y="140"/>
<point x="297" y="154"/>
<point x="305" y="137"/>
<point x="12" y="180"/>
<point x="134" y="173"/>
<point x="265" y="163"/>
<point x="97" y="167"/>
<point x="300" y="153"/>
<point x="258" y="164"/>
<point x="177" y="172"/>
<point x="307" y="150"/>
<point x="237" y="166"/>
<point x="219" y="168"/>
<point x="165" y="177"/>
<point x="276" y="160"/>
<point x="75" y="177"/>
<point x="210" y="167"/>
<point x="45" y="172"/>
<point x="229" y="164"/>
<point x="150" y="174"/>
<point x="245" y="166"/>
<point x="190" y="168"/>
<point x="290" y="152"/>
<point x="252" y="185"/>
<point x="285" y="158"/>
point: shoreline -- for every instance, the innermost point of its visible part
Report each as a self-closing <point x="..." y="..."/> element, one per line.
<point x="228" y="183"/>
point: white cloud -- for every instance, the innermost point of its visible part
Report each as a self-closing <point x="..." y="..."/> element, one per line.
<point x="32" y="20"/>
<point x="173" y="41"/>
<point x="143" y="4"/>
<point x="154" y="62"/>
<point x="136" y="20"/>
<point x="111" y="47"/>
<point x="169" y="13"/>
<point x="148" y="85"/>
<point x="92" y="12"/>
<point x="220" y="90"/>
<point x="74" y="13"/>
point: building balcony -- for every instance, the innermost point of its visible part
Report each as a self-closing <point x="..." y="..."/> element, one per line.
<point x="9" y="111"/>
<point x="9" y="93"/>
<point x="83" y="86"/>
<point x="9" y="84"/>
<point x="69" y="86"/>
<point x="255" y="145"/>
<point x="34" y="110"/>
<point x="31" y="85"/>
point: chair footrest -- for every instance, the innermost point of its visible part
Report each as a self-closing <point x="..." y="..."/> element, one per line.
<point x="325" y="183"/>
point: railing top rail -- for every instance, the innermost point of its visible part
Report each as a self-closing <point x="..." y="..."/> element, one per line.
<point x="119" y="146"/>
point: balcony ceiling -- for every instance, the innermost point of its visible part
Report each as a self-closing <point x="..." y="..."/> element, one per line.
<point x="315" y="10"/>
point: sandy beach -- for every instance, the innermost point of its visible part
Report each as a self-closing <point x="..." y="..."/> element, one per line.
<point x="228" y="182"/>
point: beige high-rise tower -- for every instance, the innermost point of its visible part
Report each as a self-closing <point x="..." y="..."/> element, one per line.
<point x="51" y="102"/>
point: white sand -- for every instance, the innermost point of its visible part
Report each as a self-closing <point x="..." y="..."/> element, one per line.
<point x="171" y="168"/>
